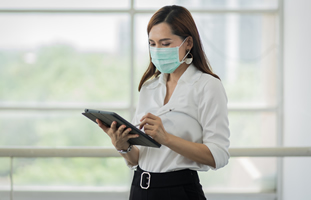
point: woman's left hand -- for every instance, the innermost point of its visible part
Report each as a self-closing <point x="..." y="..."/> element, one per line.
<point x="153" y="127"/>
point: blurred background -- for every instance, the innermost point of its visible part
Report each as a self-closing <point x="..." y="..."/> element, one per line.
<point x="59" y="57"/>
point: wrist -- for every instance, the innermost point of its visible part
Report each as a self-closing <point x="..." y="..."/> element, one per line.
<point x="123" y="146"/>
<point x="125" y="150"/>
<point x="168" y="139"/>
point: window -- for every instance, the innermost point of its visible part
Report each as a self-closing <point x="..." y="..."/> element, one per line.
<point x="59" y="57"/>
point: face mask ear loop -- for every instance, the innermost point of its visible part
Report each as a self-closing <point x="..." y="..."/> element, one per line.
<point x="183" y="60"/>
<point x="183" y="42"/>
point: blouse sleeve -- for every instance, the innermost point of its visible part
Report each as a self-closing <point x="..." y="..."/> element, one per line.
<point x="213" y="116"/>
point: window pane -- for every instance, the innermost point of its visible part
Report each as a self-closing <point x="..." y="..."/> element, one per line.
<point x="241" y="48"/>
<point x="141" y="46"/>
<point x="68" y="173"/>
<point x="4" y="174"/>
<point x="244" y="175"/>
<point x="250" y="129"/>
<point x="55" y="128"/>
<point x="68" y="4"/>
<point x="201" y="4"/>
<point x="64" y="58"/>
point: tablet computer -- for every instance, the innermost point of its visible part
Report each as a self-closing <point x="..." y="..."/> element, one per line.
<point x="108" y="117"/>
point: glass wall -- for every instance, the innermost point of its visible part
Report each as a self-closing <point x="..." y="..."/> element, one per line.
<point x="57" y="57"/>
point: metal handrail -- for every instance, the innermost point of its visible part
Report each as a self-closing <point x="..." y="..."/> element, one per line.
<point x="30" y="152"/>
<point x="111" y="152"/>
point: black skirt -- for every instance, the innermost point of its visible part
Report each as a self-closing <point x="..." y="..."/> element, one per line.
<point x="176" y="185"/>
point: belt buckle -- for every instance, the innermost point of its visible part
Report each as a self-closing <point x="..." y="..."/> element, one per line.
<point x="141" y="180"/>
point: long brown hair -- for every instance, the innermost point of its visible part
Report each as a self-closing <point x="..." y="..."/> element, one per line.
<point x="183" y="25"/>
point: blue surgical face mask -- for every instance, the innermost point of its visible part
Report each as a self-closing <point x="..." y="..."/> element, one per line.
<point x="166" y="60"/>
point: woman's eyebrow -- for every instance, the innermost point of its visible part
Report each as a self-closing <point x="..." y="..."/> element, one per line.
<point x="161" y="40"/>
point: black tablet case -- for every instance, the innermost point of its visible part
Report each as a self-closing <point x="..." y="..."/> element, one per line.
<point x="108" y="117"/>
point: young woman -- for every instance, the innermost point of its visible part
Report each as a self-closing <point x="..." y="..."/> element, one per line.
<point x="194" y="134"/>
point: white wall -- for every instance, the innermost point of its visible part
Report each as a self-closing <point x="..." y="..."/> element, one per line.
<point x="297" y="97"/>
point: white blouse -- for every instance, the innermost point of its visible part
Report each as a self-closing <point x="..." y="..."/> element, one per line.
<point x="200" y="115"/>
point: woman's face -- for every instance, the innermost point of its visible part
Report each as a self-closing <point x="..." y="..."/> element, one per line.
<point x="161" y="36"/>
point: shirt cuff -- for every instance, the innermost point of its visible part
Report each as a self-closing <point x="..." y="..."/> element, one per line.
<point x="221" y="156"/>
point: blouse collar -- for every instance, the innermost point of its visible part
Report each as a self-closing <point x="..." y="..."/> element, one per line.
<point x="190" y="76"/>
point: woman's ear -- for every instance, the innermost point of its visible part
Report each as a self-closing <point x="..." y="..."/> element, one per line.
<point x="189" y="43"/>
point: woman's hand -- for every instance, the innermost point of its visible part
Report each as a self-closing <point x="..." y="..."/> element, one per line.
<point x="119" y="137"/>
<point x="197" y="152"/>
<point x="153" y="127"/>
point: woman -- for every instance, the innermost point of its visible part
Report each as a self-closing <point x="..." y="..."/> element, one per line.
<point x="194" y="134"/>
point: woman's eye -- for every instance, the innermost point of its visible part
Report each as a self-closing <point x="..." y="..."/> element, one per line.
<point x="166" y="45"/>
<point x="151" y="44"/>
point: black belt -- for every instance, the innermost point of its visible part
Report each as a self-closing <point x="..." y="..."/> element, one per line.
<point x="147" y="180"/>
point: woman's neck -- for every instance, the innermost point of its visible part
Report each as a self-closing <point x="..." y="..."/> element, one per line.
<point x="174" y="77"/>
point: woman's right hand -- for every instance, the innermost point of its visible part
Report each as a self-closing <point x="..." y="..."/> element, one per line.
<point x="119" y="137"/>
